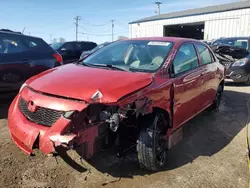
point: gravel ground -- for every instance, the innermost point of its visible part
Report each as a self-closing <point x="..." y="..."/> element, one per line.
<point x="211" y="154"/>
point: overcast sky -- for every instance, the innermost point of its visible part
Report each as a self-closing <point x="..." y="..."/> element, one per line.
<point x="56" y="17"/>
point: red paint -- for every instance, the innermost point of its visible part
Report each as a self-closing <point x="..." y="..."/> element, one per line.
<point x="191" y="93"/>
<point x="82" y="82"/>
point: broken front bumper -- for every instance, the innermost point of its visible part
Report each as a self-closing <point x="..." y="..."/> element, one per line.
<point x="25" y="133"/>
<point x="237" y="74"/>
<point x="29" y="135"/>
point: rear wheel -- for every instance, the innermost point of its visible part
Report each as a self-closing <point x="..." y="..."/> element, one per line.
<point x="217" y="101"/>
<point x="151" y="145"/>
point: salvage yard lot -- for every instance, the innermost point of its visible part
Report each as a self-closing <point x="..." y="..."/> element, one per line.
<point x="211" y="154"/>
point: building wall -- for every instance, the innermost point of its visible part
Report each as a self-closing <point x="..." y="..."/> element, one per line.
<point x="221" y="24"/>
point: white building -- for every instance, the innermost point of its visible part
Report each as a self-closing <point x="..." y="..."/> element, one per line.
<point x="227" y="20"/>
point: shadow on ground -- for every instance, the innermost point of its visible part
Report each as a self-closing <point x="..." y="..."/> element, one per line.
<point x="205" y="135"/>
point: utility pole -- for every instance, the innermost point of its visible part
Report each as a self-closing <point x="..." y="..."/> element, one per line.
<point x="112" y="21"/>
<point x="23" y="29"/>
<point x="158" y="3"/>
<point x="77" y="18"/>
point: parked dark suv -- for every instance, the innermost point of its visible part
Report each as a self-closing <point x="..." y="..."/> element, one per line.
<point x="234" y="53"/>
<point x="23" y="56"/>
<point x="71" y="51"/>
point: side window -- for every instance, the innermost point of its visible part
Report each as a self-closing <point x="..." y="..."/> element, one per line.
<point x="185" y="59"/>
<point x="204" y="54"/>
<point x="78" y="46"/>
<point x="10" y="44"/>
<point x="68" y="46"/>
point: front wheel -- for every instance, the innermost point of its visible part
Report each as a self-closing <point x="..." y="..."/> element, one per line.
<point x="217" y="101"/>
<point x="151" y="146"/>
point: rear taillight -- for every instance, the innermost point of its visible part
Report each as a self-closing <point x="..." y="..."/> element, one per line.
<point x="58" y="57"/>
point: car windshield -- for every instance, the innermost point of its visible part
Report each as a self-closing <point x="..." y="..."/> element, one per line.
<point x="56" y="45"/>
<point x="242" y="43"/>
<point x="132" y="55"/>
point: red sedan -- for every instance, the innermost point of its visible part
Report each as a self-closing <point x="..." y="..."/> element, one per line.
<point x="137" y="91"/>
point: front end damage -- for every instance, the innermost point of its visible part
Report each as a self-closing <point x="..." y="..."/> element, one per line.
<point x="72" y="124"/>
<point x="235" y="60"/>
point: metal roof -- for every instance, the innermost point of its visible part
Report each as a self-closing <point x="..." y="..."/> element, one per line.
<point x="198" y="11"/>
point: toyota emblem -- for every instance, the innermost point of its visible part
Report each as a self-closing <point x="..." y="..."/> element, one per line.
<point x="31" y="106"/>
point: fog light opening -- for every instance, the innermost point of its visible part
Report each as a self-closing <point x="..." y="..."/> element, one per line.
<point x="237" y="76"/>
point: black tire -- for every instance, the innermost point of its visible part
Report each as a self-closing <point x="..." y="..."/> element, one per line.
<point x="248" y="81"/>
<point x="217" y="101"/>
<point x="150" y="146"/>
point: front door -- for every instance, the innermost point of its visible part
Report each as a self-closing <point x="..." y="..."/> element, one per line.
<point x="187" y="84"/>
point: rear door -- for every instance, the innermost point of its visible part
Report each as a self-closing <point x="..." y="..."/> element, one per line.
<point x="209" y="72"/>
<point x="68" y="52"/>
<point x="13" y="64"/>
<point x="187" y="84"/>
<point x="79" y="48"/>
<point x="22" y="57"/>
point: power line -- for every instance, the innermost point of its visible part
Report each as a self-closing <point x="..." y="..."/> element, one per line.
<point x="91" y="31"/>
<point x="121" y="24"/>
<point x="102" y="34"/>
<point x="77" y="18"/>
<point x="95" y="25"/>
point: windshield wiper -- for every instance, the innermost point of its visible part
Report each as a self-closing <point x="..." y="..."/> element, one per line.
<point x="139" y="70"/>
<point x="109" y="66"/>
<point x="80" y="62"/>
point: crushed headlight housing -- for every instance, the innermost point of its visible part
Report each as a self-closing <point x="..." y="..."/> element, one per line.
<point x="240" y="62"/>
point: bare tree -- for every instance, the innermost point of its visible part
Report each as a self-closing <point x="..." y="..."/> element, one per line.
<point x="61" y="39"/>
<point x="54" y="40"/>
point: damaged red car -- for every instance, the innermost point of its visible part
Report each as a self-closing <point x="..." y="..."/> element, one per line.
<point x="132" y="93"/>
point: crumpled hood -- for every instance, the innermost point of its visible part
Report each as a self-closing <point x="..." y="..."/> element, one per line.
<point x="81" y="82"/>
<point x="229" y="53"/>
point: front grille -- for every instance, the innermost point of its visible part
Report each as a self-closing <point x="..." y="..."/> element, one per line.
<point x="42" y="116"/>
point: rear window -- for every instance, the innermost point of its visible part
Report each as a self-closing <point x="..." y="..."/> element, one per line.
<point x="10" y="44"/>
<point x="56" y="45"/>
<point x="88" y="46"/>
<point x="205" y="55"/>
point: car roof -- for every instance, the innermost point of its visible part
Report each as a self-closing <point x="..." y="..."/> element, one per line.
<point x="9" y="32"/>
<point x="79" y="41"/>
<point x="167" y="39"/>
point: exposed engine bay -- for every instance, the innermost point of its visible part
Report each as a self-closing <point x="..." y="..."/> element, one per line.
<point x="227" y="53"/>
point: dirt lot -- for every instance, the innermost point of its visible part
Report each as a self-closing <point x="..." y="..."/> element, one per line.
<point x="211" y="154"/>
